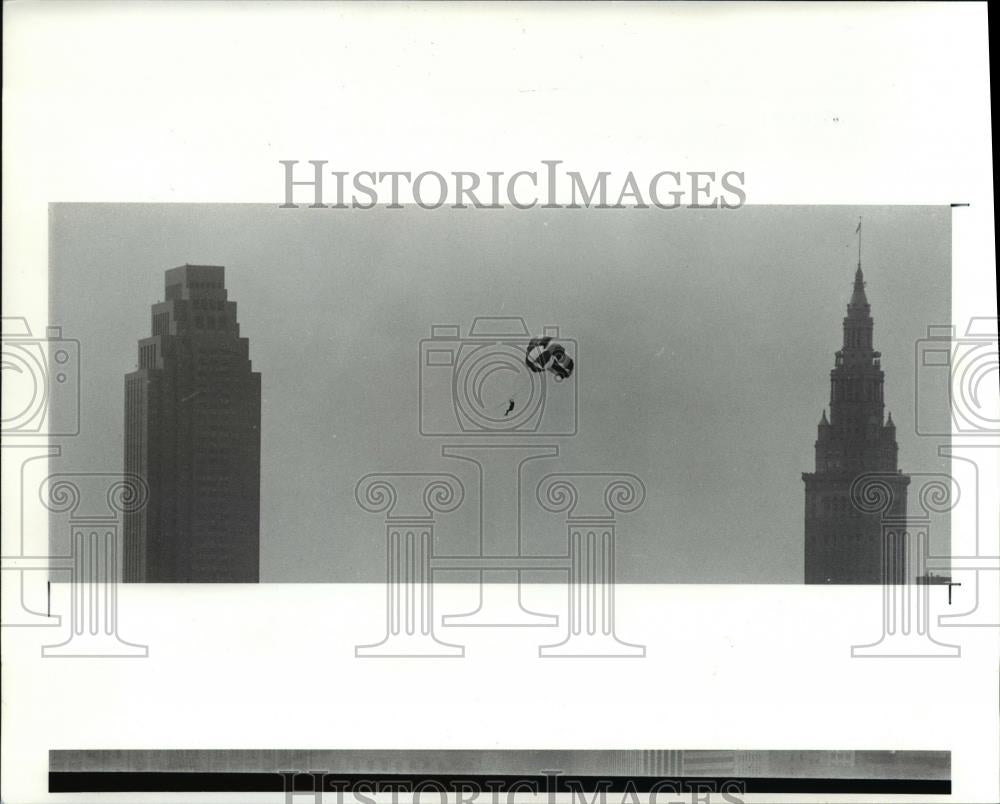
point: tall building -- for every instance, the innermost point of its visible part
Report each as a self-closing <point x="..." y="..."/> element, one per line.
<point x="843" y="545"/>
<point x="192" y="431"/>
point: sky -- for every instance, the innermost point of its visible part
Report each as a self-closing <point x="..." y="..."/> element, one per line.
<point x="703" y="341"/>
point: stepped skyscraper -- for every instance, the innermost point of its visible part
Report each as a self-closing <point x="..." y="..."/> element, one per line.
<point x="843" y="545"/>
<point x="192" y="431"/>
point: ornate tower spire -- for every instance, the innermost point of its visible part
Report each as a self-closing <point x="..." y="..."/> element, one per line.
<point x="859" y="301"/>
<point x="841" y="545"/>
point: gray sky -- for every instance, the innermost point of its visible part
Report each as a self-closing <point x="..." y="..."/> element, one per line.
<point x="705" y="340"/>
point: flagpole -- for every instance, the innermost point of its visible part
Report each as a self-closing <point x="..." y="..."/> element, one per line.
<point x="859" y="242"/>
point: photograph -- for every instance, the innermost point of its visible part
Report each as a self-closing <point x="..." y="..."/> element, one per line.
<point x="742" y="368"/>
<point x="498" y="403"/>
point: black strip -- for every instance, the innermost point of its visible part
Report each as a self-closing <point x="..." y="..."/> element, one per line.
<point x="225" y="782"/>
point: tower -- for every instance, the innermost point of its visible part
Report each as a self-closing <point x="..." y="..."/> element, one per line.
<point x="192" y="432"/>
<point x="842" y="545"/>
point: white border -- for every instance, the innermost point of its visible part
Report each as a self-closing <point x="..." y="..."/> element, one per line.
<point x="197" y="102"/>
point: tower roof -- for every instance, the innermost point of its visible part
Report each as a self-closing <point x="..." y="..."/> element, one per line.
<point x="858" y="297"/>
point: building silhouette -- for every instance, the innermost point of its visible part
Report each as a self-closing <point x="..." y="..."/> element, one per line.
<point x="843" y="545"/>
<point x="192" y="431"/>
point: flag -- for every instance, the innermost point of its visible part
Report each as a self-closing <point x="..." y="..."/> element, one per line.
<point x="858" y="230"/>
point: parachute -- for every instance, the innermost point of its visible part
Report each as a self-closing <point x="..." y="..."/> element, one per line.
<point x="541" y="355"/>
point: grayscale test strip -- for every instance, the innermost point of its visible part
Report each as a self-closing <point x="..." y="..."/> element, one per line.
<point x="833" y="772"/>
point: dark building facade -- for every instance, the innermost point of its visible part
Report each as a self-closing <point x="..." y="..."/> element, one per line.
<point x="842" y="544"/>
<point x="192" y="431"/>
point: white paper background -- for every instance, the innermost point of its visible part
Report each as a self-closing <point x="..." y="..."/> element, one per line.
<point x="186" y="102"/>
